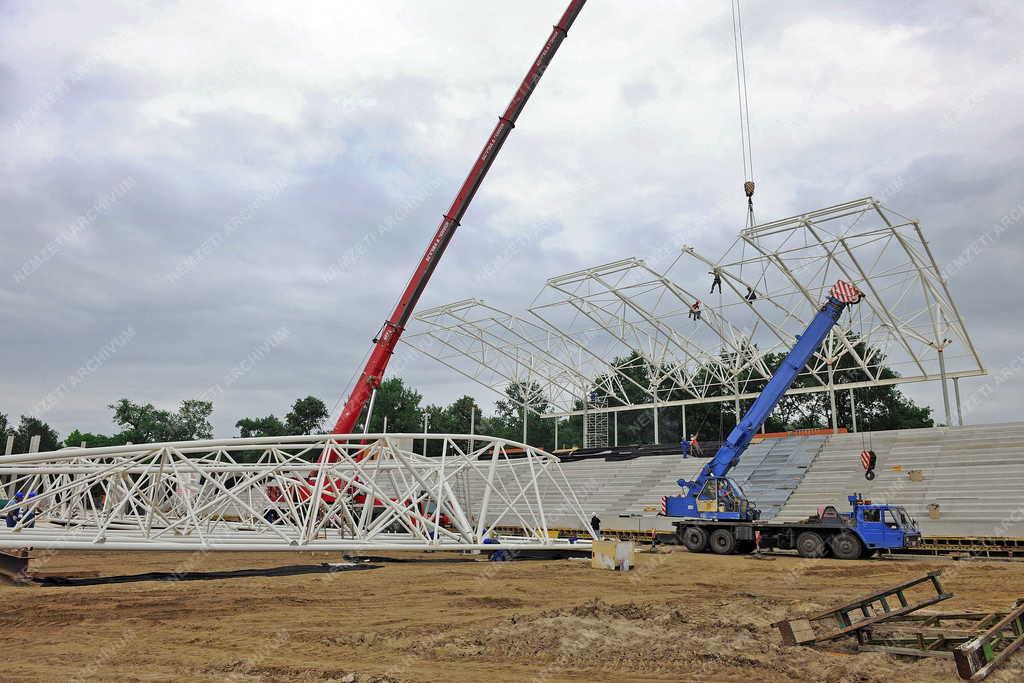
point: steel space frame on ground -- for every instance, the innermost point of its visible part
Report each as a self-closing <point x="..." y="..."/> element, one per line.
<point x="319" y="492"/>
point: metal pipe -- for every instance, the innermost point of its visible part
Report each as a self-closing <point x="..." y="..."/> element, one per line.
<point x="369" y="412"/>
<point x="956" y="397"/>
<point x="942" y="380"/>
<point x="853" y="412"/>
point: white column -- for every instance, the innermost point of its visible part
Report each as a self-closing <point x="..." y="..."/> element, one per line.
<point x="615" y="417"/>
<point x="524" y="421"/>
<point x="956" y="397"/>
<point x="426" y="423"/>
<point x="684" y="434"/>
<point x="656" y="435"/>
<point x="832" y="398"/>
<point x="853" y="412"/>
<point x="945" y="390"/>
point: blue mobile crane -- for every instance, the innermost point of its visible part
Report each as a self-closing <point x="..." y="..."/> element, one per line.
<point x="717" y="515"/>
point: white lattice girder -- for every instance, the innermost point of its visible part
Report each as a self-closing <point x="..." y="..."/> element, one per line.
<point x="322" y="492"/>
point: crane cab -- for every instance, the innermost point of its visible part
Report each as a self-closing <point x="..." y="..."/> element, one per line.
<point x="719" y="498"/>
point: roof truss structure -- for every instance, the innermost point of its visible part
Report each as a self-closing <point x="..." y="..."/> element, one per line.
<point x="580" y="323"/>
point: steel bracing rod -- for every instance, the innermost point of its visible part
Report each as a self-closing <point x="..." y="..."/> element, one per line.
<point x="611" y="367"/>
<point x="683" y="296"/>
<point x="582" y="380"/>
<point x="590" y="306"/>
<point x="872" y="301"/>
<point x="784" y="338"/>
<point x="508" y="379"/>
<point x="477" y="332"/>
<point x="387" y="339"/>
<point x="876" y="302"/>
<point x="808" y="296"/>
<point x="962" y="328"/>
<point x="480" y="333"/>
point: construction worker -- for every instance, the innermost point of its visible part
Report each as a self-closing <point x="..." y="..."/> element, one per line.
<point x="695" y="446"/>
<point x="695" y="310"/>
<point x="14" y="516"/>
<point x="717" y="282"/>
<point x="595" y="524"/>
<point x="30" y="516"/>
<point x="751" y="295"/>
<point x="684" y="447"/>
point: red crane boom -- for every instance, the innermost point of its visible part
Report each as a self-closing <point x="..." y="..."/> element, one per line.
<point x="387" y="339"/>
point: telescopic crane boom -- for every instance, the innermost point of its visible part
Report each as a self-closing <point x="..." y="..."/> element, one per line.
<point x="386" y="341"/>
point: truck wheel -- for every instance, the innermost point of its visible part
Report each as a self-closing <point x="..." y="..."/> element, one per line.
<point x="695" y="539"/>
<point x="722" y="542"/>
<point x="847" y="546"/>
<point x="810" y="544"/>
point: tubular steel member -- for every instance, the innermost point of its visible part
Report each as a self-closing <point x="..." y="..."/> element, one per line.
<point x="387" y="339"/>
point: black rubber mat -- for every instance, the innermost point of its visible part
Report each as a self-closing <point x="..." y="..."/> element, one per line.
<point x="288" y="570"/>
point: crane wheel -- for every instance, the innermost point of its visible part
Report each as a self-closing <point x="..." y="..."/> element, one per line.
<point x="810" y="544"/>
<point x="847" y="546"/>
<point x="722" y="542"/>
<point x="695" y="539"/>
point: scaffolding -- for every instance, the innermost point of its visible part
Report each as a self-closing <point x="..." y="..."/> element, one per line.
<point x="595" y="431"/>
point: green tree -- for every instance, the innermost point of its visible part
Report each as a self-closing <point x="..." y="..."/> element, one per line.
<point x="5" y="430"/>
<point x="33" y="426"/>
<point x="399" y="403"/>
<point x="147" y="424"/>
<point x="77" y="438"/>
<point x="307" y="416"/>
<point x="523" y="397"/>
<point x="271" y="425"/>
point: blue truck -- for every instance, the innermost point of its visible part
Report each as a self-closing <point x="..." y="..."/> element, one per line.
<point x="716" y="515"/>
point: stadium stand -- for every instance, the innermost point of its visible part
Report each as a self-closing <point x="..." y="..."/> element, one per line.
<point x="956" y="481"/>
<point x="970" y="481"/>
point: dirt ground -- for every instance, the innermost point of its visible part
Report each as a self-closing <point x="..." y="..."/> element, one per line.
<point x="443" y="617"/>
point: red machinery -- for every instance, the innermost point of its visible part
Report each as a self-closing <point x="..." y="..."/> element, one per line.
<point x="387" y="339"/>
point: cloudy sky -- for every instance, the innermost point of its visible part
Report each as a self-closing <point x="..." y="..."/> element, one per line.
<point x="192" y="193"/>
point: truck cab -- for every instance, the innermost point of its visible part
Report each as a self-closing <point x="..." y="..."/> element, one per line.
<point x="883" y="527"/>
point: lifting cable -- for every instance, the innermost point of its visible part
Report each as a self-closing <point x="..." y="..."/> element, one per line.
<point x="744" y="108"/>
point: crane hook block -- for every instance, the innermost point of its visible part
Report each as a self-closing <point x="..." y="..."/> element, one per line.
<point x="748" y="187"/>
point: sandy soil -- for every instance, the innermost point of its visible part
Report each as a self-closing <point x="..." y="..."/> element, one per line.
<point x="453" y="618"/>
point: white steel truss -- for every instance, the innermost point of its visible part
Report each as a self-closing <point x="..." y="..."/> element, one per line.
<point x="495" y="348"/>
<point x="321" y="492"/>
<point x="773" y="279"/>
